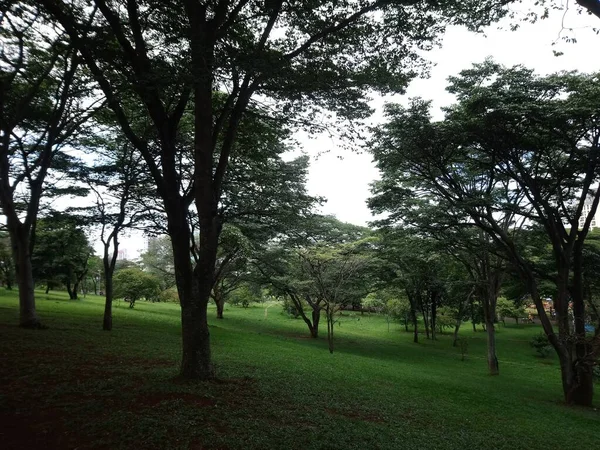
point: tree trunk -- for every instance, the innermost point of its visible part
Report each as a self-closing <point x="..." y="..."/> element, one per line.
<point x="72" y="294"/>
<point x="24" y="274"/>
<point x="194" y="286"/>
<point x="491" y="349"/>
<point x="426" y="322"/>
<point x="456" y="328"/>
<point x="581" y="390"/>
<point x="75" y="290"/>
<point x="108" y="287"/>
<point x="415" y="325"/>
<point x="314" y="330"/>
<point x="220" y="305"/>
<point x="330" y="330"/>
<point x="433" y="316"/>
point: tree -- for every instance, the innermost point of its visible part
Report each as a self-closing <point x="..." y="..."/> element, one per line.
<point x="333" y="275"/>
<point x="238" y="48"/>
<point x="133" y="284"/>
<point x="158" y="260"/>
<point x="42" y="110"/>
<point x="508" y="308"/>
<point x="61" y="252"/>
<point x="119" y="184"/>
<point x="234" y="251"/>
<point x="522" y="146"/>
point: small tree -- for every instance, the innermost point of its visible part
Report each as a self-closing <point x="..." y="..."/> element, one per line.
<point x="133" y="284"/>
<point x="508" y="308"/>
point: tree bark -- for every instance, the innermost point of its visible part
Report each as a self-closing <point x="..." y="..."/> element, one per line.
<point x="220" y="305"/>
<point x="19" y="237"/>
<point x="316" y="316"/>
<point x="108" y="287"/>
<point x="433" y="315"/>
<point x="456" y="328"/>
<point x="492" y="359"/>
<point x="415" y="322"/>
<point x="194" y="286"/>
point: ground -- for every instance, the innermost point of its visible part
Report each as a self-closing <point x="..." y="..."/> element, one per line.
<point x="76" y="386"/>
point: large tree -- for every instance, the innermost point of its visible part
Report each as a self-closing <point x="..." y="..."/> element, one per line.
<point x="43" y="105"/>
<point x="515" y="145"/>
<point x="300" y="58"/>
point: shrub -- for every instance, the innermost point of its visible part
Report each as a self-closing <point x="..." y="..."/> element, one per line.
<point x="541" y="345"/>
<point x="169" y="295"/>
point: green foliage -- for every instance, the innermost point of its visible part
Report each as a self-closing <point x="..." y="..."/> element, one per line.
<point x="168" y="295"/>
<point x="508" y="308"/>
<point x="290" y="308"/>
<point x="61" y="252"/>
<point x="541" y="345"/>
<point x="158" y="260"/>
<point x="133" y="284"/>
<point x="446" y="317"/>
<point x="244" y="295"/>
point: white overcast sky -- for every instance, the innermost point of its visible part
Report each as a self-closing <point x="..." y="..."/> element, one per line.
<point x="345" y="182"/>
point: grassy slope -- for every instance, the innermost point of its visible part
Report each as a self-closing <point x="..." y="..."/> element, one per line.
<point x="74" y="385"/>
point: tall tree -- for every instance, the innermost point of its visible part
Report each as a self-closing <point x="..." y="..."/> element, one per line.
<point x="42" y="109"/>
<point x="518" y="145"/>
<point x="301" y="57"/>
<point x="119" y="182"/>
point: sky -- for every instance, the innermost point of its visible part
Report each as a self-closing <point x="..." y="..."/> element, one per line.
<point x="343" y="177"/>
<point x="345" y="182"/>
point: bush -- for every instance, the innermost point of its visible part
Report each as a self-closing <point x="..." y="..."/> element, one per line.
<point x="541" y="345"/>
<point x="169" y="295"/>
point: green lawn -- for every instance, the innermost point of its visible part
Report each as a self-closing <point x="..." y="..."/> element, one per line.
<point x="75" y="386"/>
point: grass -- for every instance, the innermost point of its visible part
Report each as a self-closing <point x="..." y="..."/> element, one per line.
<point x="75" y="386"/>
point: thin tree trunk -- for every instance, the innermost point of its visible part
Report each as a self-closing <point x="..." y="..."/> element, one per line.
<point x="415" y="322"/>
<point x="456" y="328"/>
<point x="219" y="301"/>
<point x="330" y="330"/>
<point x="108" y="287"/>
<point x="433" y="316"/>
<point x="426" y="321"/>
